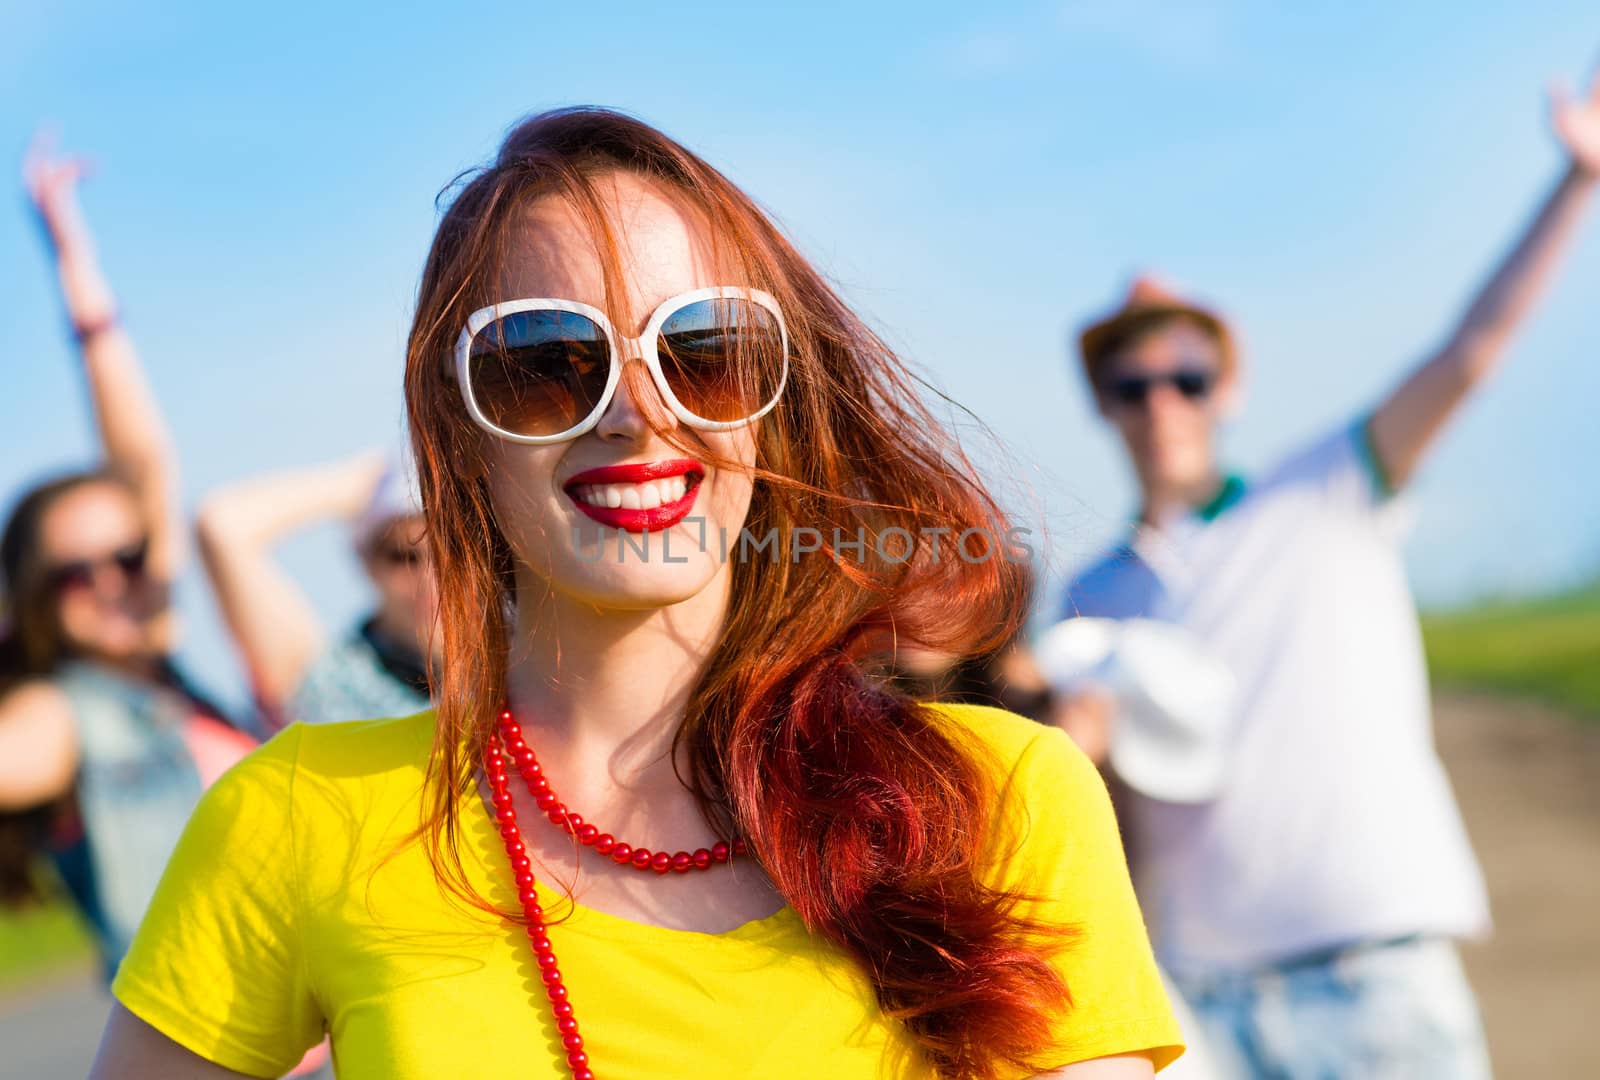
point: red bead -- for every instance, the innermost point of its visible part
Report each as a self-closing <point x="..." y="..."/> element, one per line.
<point x="702" y="859"/>
<point x="683" y="862"/>
<point x="540" y="786"/>
<point x="528" y="897"/>
<point x="641" y="857"/>
<point x="587" y="834"/>
<point x="622" y="853"/>
<point x="551" y="976"/>
<point x="555" y="992"/>
<point x="739" y="846"/>
<point x="562" y="1008"/>
<point x="661" y="862"/>
<point x="582" y="1074"/>
<point x="571" y="822"/>
<point x="547" y="960"/>
<point x="508" y="831"/>
<point x="604" y="843"/>
<point x="574" y="1045"/>
<point x="566" y="1025"/>
<point x="546" y="800"/>
<point x="502" y="799"/>
<point x="719" y="851"/>
<point x="524" y="880"/>
<point x="539" y="940"/>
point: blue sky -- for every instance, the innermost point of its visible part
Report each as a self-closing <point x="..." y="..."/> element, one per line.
<point x="1336" y="177"/>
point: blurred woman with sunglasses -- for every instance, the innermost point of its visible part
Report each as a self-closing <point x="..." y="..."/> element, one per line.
<point x="381" y="669"/>
<point x="104" y="746"/>
<point x="619" y="371"/>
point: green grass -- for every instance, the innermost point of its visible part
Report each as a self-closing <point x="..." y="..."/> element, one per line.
<point x="1545" y="647"/>
<point x="40" y="940"/>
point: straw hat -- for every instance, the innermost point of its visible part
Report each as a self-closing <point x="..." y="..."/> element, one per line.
<point x="1148" y="297"/>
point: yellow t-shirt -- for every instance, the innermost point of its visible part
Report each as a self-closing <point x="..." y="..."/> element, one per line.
<point x="286" y="910"/>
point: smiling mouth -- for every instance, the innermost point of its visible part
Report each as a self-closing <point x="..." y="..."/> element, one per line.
<point x="644" y="495"/>
<point x="651" y="496"/>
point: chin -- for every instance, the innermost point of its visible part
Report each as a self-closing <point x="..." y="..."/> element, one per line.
<point x="632" y="585"/>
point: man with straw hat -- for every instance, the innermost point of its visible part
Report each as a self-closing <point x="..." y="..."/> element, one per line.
<point x="1306" y="897"/>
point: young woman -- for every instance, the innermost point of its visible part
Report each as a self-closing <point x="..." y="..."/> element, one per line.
<point x="379" y="670"/>
<point x="104" y="746"/>
<point x="619" y="372"/>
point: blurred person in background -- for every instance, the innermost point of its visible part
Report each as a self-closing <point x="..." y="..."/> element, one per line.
<point x="382" y="668"/>
<point x="1308" y="910"/>
<point x="105" y="746"/>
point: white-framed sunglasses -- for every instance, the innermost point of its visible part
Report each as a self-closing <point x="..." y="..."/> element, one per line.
<point x="544" y="370"/>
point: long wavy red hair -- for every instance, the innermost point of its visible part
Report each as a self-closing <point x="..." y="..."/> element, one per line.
<point x="870" y="816"/>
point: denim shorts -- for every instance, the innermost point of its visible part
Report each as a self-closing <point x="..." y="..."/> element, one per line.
<point x="1393" y="1010"/>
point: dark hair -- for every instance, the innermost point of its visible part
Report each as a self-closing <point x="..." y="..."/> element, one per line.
<point x="31" y="645"/>
<point x="866" y="812"/>
<point x="31" y="642"/>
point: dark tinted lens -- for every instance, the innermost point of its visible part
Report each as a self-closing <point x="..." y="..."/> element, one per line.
<point x="72" y="575"/>
<point x="722" y="358"/>
<point x="1193" y="385"/>
<point x="1132" y="390"/>
<point x="400" y="556"/>
<point x="539" y="372"/>
<point x="131" y="560"/>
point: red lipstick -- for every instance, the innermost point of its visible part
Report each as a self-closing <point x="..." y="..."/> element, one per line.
<point x="657" y="518"/>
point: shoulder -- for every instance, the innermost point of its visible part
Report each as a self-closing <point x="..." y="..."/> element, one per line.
<point x="1025" y="756"/>
<point x="1116" y="585"/>
<point x="307" y="766"/>
<point x="37" y="700"/>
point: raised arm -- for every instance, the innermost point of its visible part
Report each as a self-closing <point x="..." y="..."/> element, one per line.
<point x="133" y="432"/>
<point x="273" y="624"/>
<point x="1407" y="423"/>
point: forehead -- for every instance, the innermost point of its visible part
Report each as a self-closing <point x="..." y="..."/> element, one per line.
<point x="402" y="532"/>
<point x="1175" y="344"/>
<point x="88" y="521"/>
<point x="663" y="248"/>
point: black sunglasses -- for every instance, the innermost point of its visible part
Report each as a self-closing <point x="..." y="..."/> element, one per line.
<point x="1194" y="384"/>
<point x="398" y="555"/>
<point x="79" y="573"/>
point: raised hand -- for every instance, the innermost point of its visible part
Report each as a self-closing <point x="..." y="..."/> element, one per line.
<point x="1576" y="119"/>
<point x="51" y="179"/>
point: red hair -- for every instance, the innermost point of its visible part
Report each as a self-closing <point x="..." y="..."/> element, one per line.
<point x="868" y="814"/>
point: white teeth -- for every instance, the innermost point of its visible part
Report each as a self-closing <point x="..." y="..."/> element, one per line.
<point x="642" y="496"/>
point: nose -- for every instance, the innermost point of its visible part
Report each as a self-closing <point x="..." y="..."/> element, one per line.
<point x="1163" y="400"/>
<point x="637" y="407"/>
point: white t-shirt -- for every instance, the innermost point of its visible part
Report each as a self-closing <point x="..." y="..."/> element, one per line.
<point x="1336" y="823"/>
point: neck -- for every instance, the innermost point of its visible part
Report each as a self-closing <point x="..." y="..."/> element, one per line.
<point x="1164" y="500"/>
<point x="601" y="693"/>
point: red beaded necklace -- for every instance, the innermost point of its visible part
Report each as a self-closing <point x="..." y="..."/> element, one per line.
<point x="508" y="742"/>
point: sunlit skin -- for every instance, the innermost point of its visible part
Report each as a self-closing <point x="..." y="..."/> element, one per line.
<point x="605" y="653"/>
<point x="664" y="255"/>
<point x="1171" y="440"/>
<point x="118" y="618"/>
